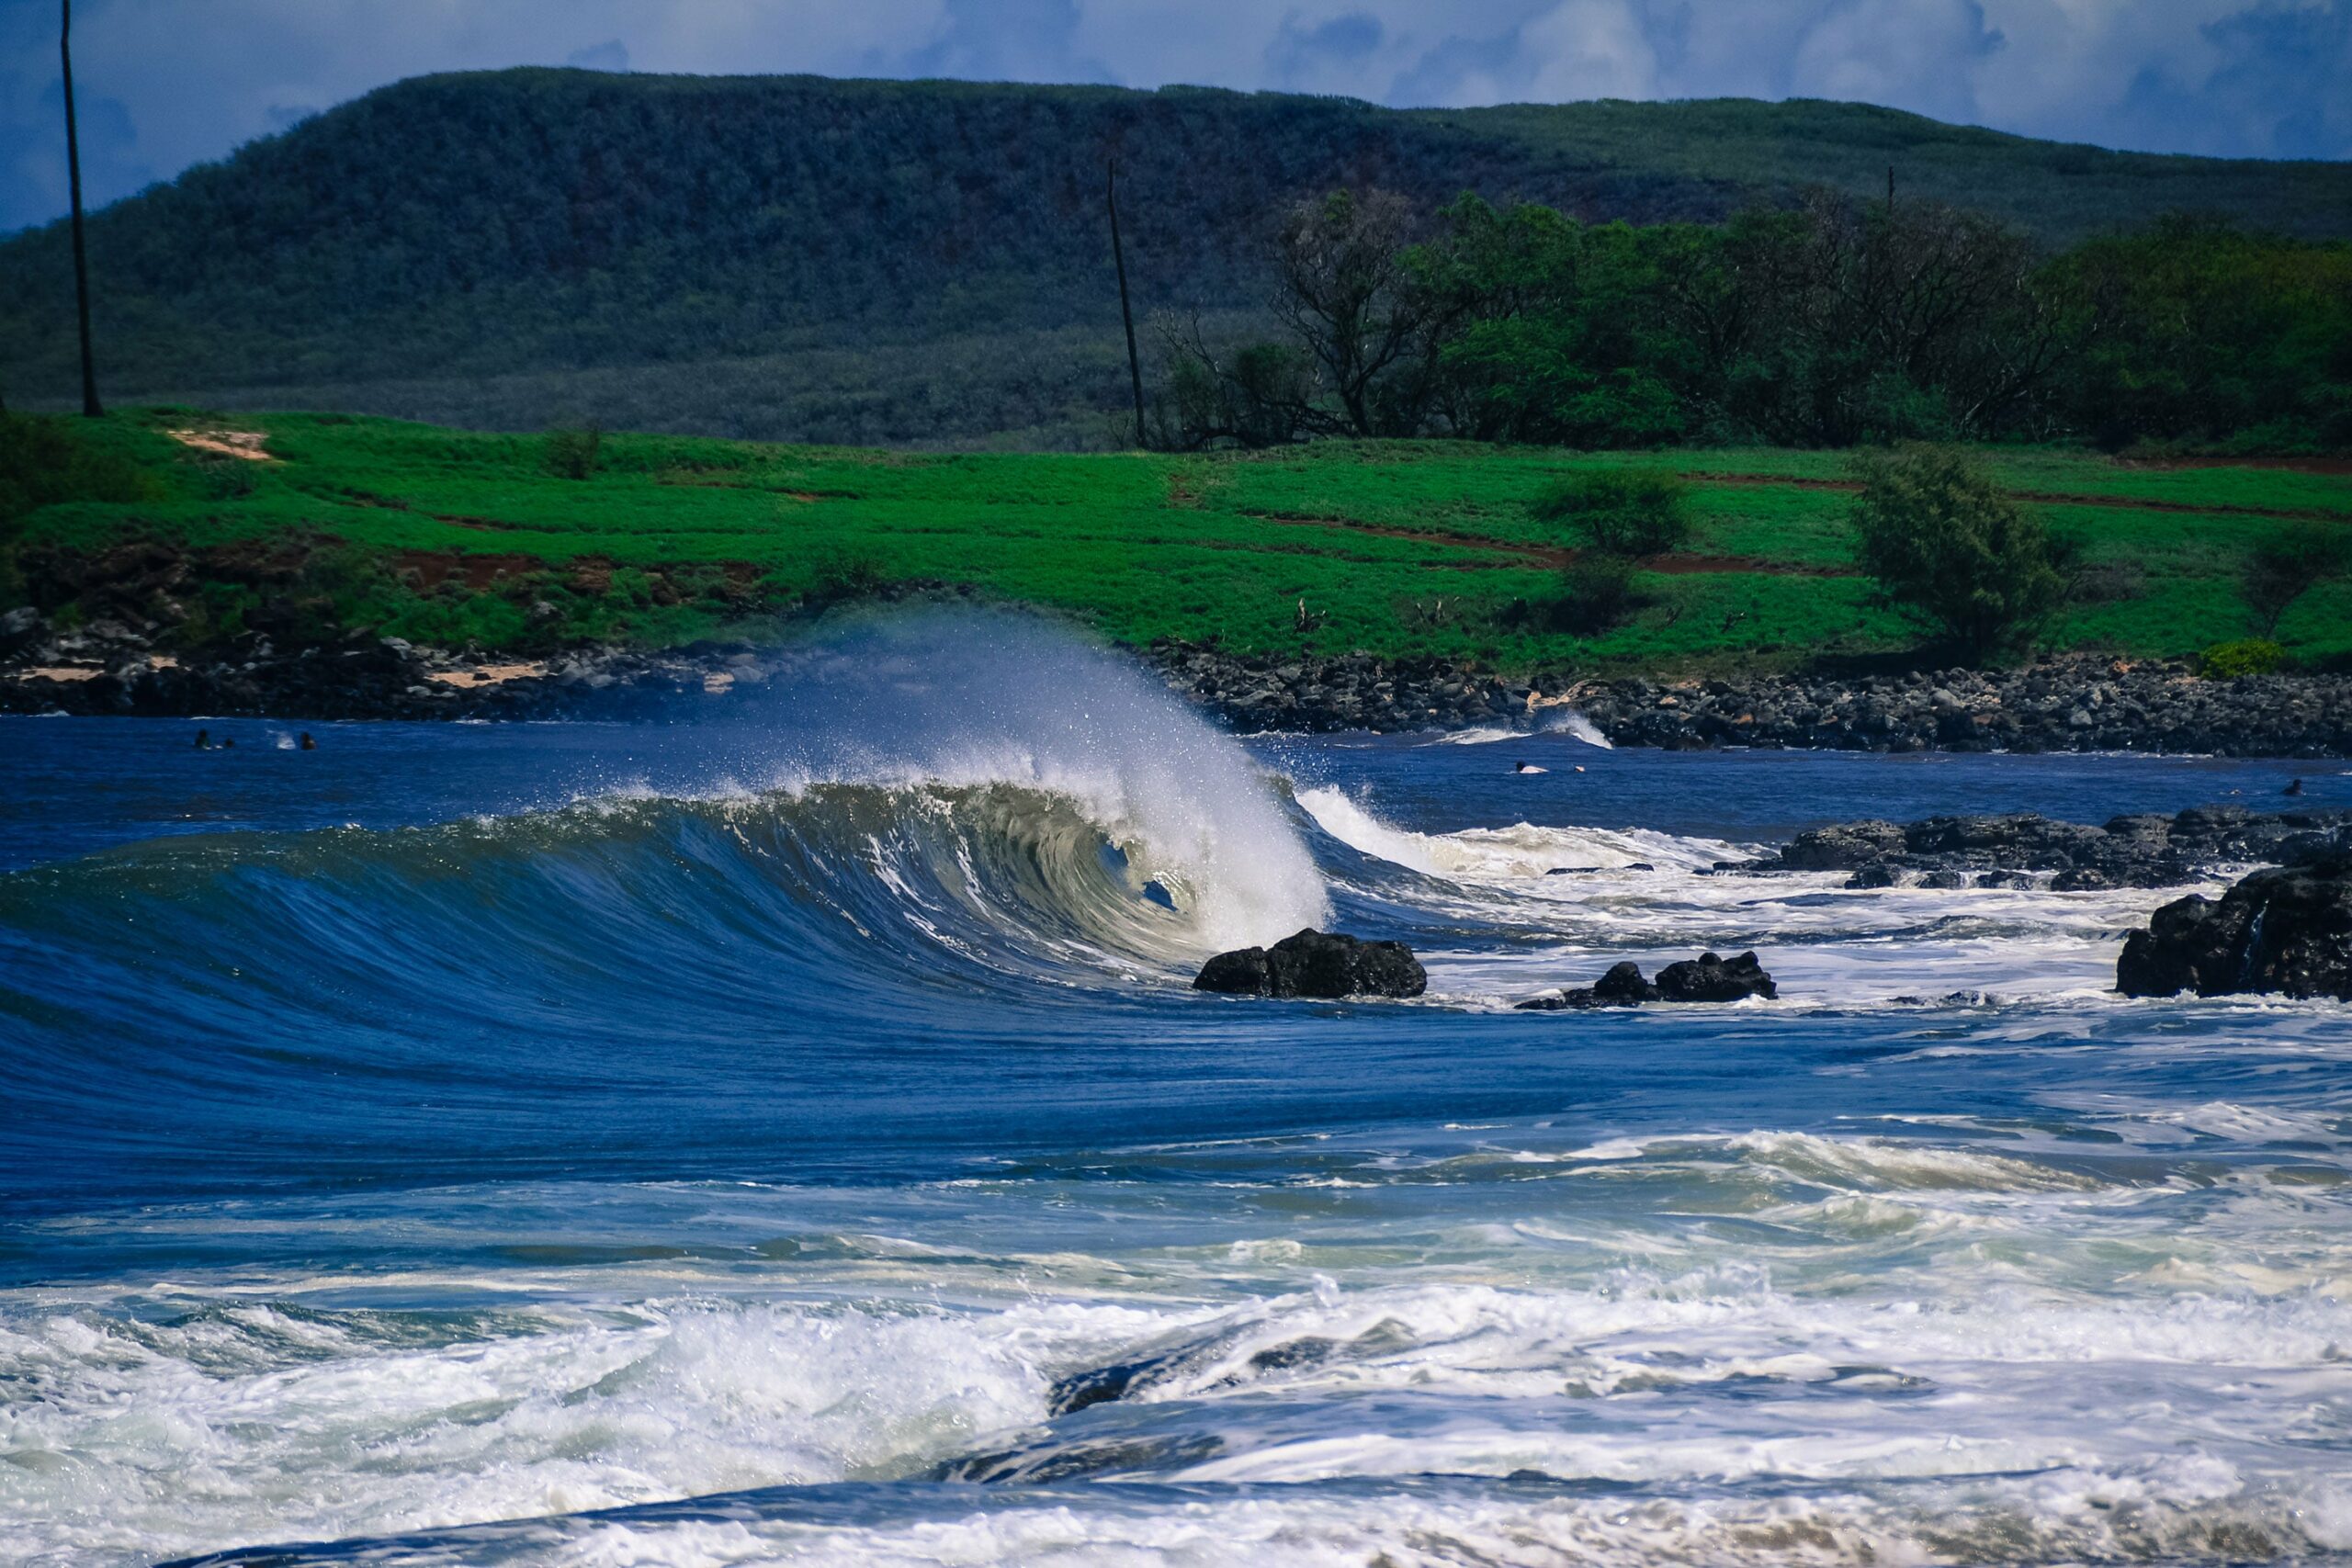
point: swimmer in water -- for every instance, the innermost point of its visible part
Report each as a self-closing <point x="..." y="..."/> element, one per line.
<point x="306" y="743"/>
<point x="2294" y="786"/>
<point x="204" y="740"/>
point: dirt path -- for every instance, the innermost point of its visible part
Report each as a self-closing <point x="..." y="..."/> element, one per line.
<point x="1544" y="555"/>
<point x="2039" y="497"/>
<point x="245" y="443"/>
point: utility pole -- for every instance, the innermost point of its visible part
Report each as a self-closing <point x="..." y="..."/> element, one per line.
<point x="1126" y="312"/>
<point x="90" y="408"/>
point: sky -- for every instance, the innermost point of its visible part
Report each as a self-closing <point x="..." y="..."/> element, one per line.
<point x="164" y="84"/>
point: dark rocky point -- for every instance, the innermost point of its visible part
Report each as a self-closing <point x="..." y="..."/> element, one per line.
<point x="1845" y="846"/>
<point x="2020" y="849"/>
<point x="2286" y="931"/>
<point x="1316" y="964"/>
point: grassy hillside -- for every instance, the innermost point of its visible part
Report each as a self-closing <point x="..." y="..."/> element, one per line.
<point x="880" y="261"/>
<point x="442" y="535"/>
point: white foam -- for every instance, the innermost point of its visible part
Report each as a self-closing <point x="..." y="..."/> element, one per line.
<point x="1520" y="850"/>
<point x="1555" y="721"/>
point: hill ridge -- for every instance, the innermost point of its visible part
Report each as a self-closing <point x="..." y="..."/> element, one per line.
<point x="880" y="260"/>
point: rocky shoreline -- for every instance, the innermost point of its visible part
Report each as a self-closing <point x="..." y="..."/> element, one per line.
<point x="2070" y="705"/>
<point x="2073" y="704"/>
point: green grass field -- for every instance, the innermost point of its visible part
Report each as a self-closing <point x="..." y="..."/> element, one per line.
<point x="443" y="535"/>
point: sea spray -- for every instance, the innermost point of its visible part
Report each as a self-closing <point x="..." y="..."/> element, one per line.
<point x="978" y="698"/>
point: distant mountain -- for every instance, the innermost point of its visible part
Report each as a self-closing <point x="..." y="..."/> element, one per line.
<point x="921" y="262"/>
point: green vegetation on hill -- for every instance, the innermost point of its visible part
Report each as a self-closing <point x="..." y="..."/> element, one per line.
<point x="892" y="262"/>
<point x="1836" y="324"/>
<point x="1410" y="547"/>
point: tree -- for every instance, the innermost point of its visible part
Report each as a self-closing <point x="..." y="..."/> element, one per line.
<point x="1948" y="548"/>
<point x="74" y="181"/>
<point x="1348" y="290"/>
<point x="2285" y="565"/>
<point x="1261" y="394"/>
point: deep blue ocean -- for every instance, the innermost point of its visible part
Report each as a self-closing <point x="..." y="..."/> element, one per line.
<point x="746" y="1139"/>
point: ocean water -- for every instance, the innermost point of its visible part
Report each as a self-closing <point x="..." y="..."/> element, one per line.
<point x="791" y="1138"/>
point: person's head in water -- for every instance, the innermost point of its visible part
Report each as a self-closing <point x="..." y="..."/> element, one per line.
<point x="2294" y="786"/>
<point x="227" y="741"/>
<point x="306" y="743"/>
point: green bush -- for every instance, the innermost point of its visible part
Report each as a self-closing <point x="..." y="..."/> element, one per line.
<point x="1621" y="512"/>
<point x="44" y="461"/>
<point x="1947" y="547"/>
<point x="1600" y="594"/>
<point x="2249" y="656"/>
<point x="572" y="454"/>
<point x="846" y="573"/>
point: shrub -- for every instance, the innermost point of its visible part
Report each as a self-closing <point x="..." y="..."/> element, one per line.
<point x="1622" y="511"/>
<point x="1599" y="593"/>
<point x="846" y="573"/>
<point x="572" y="454"/>
<point x="2251" y="656"/>
<point x="2286" y="565"/>
<point x="1947" y="546"/>
<point x="44" y="460"/>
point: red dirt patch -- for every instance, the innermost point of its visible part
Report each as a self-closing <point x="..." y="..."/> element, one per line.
<point x="2338" y="467"/>
<point x="1547" y="556"/>
<point x="2039" y="497"/>
<point x="433" y="567"/>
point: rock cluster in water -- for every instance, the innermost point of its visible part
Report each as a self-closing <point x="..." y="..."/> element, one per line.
<point x="2139" y="851"/>
<point x="1316" y="964"/>
<point x="2287" y="930"/>
<point x="1706" y="978"/>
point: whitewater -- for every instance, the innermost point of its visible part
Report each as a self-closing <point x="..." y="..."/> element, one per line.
<point x="787" y="1134"/>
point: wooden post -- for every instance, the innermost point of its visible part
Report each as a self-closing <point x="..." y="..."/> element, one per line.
<point x="74" y="180"/>
<point x="1127" y="313"/>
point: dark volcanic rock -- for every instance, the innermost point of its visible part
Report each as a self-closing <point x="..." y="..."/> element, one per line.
<point x="1712" y="979"/>
<point x="2075" y="704"/>
<point x="1845" y="846"/>
<point x="1705" y="979"/>
<point x="2286" y="931"/>
<point x="2141" y="851"/>
<point x="1624" y="983"/>
<point x="1316" y="964"/>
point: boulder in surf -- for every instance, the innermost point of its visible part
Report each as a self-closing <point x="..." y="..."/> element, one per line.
<point x="1316" y="964"/>
<point x="2286" y="931"/>
<point x="1708" y="979"/>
